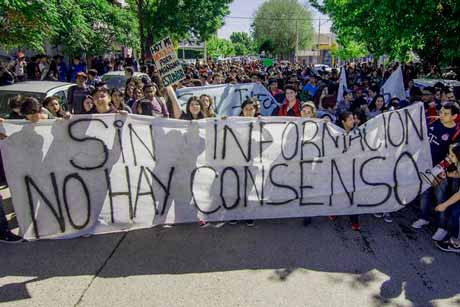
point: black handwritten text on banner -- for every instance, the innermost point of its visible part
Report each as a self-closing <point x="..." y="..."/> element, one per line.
<point x="229" y="97"/>
<point x="114" y="172"/>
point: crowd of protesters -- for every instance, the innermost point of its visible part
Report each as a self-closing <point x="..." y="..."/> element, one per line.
<point x="300" y="90"/>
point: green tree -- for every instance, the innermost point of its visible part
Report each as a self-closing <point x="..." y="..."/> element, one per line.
<point x="81" y="26"/>
<point x="160" y="18"/>
<point x="284" y="23"/>
<point x="267" y="47"/>
<point x="219" y="47"/>
<point x="93" y="27"/>
<point x="350" y="50"/>
<point x="243" y="43"/>
<point x="26" y="23"/>
<point x="427" y="27"/>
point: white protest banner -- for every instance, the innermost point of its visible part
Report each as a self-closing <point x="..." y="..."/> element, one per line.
<point x="394" y="86"/>
<point x="165" y="59"/>
<point x="98" y="174"/>
<point x="229" y="97"/>
<point x="342" y="84"/>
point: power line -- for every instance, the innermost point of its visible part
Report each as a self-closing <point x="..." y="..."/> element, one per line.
<point x="276" y="18"/>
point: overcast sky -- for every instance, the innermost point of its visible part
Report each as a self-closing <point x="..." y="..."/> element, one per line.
<point x="247" y="8"/>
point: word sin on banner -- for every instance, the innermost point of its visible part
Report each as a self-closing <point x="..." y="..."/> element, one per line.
<point x="106" y="173"/>
<point x="165" y="59"/>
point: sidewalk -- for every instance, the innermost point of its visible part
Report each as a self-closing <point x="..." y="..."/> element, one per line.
<point x="277" y="263"/>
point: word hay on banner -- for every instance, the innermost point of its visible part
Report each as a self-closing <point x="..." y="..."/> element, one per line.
<point x="105" y="173"/>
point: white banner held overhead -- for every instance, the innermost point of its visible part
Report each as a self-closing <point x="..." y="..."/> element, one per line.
<point x="98" y="174"/>
<point x="394" y="86"/>
<point x="229" y="97"/>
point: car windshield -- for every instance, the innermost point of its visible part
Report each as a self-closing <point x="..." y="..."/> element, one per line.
<point x="115" y="81"/>
<point x="6" y="96"/>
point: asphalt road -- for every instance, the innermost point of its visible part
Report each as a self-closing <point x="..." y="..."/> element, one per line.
<point x="276" y="263"/>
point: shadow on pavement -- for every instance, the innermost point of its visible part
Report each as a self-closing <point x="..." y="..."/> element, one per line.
<point x="410" y="261"/>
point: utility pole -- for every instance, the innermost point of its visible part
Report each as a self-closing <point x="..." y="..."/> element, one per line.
<point x="296" y="41"/>
<point x="319" y="41"/>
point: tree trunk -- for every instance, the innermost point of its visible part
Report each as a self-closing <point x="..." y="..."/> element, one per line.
<point x="148" y="44"/>
<point x="140" y="19"/>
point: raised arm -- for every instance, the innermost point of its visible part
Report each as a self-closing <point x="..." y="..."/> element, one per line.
<point x="175" y="103"/>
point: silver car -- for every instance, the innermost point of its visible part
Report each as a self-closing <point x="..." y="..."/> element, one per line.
<point x="37" y="89"/>
<point x="117" y="79"/>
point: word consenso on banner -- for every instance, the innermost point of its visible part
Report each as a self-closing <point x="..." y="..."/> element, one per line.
<point x="99" y="174"/>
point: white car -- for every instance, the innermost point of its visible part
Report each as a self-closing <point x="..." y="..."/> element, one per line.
<point x="37" y="89"/>
<point x="117" y="79"/>
<point x="323" y="67"/>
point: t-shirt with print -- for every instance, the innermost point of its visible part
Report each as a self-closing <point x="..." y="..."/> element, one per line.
<point x="440" y="138"/>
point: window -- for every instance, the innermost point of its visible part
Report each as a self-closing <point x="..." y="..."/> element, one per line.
<point x="5" y="99"/>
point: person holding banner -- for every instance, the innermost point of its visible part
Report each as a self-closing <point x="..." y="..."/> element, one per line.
<point x="377" y="106"/>
<point x="249" y="108"/>
<point x="6" y="236"/>
<point x="291" y="104"/>
<point x="441" y="133"/>
<point x="193" y="109"/>
<point x="33" y="111"/>
<point x="208" y="105"/>
<point x="347" y="122"/>
<point x="308" y="110"/>
<point x="451" y="207"/>
<point x="103" y="102"/>
<point x="88" y="105"/>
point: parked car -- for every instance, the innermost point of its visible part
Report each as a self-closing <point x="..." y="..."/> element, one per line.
<point x="323" y="67"/>
<point x="117" y="79"/>
<point x="422" y="83"/>
<point x="37" y="89"/>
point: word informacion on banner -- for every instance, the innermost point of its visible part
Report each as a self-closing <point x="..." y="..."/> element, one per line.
<point x="106" y="173"/>
<point x="165" y="59"/>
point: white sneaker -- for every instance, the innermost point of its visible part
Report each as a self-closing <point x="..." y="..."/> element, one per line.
<point x="419" y="223"/>
<point x="440" y="234"/>
<point x="387" y="218"/>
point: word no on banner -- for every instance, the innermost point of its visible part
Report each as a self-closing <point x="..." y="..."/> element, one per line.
<point x="106" y="173"/>
<point x="166" y="61"/>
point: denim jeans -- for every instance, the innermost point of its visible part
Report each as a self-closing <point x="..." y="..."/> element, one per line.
<point x="3" y="222"/>
<point x="454" y="219"/>
<point x="440" y="194"/>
